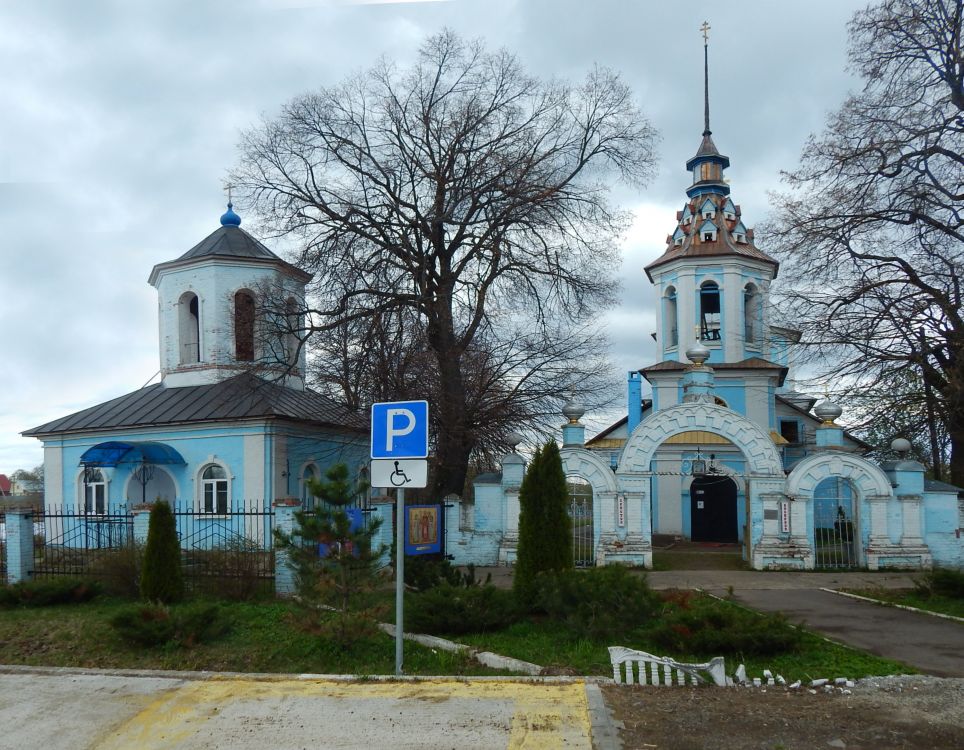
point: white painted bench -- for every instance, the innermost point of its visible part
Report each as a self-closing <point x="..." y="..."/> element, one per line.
<point x="646" y="669"/>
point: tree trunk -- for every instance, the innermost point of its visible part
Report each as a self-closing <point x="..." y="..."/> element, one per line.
<point x="454" y="440"/>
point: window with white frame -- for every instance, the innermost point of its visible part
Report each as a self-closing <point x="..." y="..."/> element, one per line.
<point x="95" y="492"/>
<point x="214" y="490"/>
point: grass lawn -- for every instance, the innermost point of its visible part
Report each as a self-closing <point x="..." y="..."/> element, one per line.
<point x="945" y="605"/>
<point x="550" y="644"/>
<point x="262" y="639"/>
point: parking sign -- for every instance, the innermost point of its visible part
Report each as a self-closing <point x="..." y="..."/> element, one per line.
<point x="400" y="429"/>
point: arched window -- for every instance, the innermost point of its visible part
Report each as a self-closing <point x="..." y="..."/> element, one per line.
<point x="308" y="474"/>
<point x="671" y="320"/>
<point x="244" y="327"/>
<point x="95" y="492"/>
<point x="751" y="313"/>
<point x="710" y="311"/>
<point x="189" y="328"/>
<point x="214" y="490"/>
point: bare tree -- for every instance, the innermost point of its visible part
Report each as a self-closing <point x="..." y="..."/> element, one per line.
<point x="871" y="232"/>
<point x="462" y="190"/>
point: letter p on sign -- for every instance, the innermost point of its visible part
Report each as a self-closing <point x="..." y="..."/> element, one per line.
<point x="400" y="429"/>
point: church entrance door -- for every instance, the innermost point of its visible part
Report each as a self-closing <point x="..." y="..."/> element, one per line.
<point x="713" y="509"/>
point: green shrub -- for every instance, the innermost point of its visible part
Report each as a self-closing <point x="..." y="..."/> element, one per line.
<point x="238" y="571"/>
<point x="942" y="582"/>
<point x="460" y="609"/>
<point x="49" y="591"/>
<point x="599" y="603"/>
<point x="423" y="573"/>
<point x="147" y="625"/>
<point x="712" y="629"/>
<point x="153" y="625"/>
<point x="161" y="577"/>
<point x="545" y="529"/>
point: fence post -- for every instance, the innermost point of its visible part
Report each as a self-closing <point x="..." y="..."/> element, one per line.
<point x="284" y="509"/>
<point x="142" y="519"/>
<point x="19" y="544"/>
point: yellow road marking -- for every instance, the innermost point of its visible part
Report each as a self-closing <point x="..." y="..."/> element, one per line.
<point x="544" y="715"/>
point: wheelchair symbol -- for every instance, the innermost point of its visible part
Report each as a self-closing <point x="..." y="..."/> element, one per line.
<point x="398" y="478"/>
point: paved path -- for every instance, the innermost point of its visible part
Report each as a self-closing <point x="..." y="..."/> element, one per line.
<point x="53" y="709"/>
<point x="932" y="644"/>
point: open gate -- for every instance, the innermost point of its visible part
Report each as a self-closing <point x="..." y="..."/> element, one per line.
<point x="581" y="515"/>
<point x="835" y="535"/>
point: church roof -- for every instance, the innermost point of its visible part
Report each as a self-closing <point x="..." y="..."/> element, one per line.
<point x="230" y="242"/>
<point x="242" y="397"/>
<point x="753" y="363"/>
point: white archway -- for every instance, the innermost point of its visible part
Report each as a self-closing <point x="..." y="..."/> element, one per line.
<point x="756" y="445"/>
<point x="868" y="479"/>
<point x="583" y="463"/>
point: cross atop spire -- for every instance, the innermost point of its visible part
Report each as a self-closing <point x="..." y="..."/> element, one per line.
<point x="705" y="28"/>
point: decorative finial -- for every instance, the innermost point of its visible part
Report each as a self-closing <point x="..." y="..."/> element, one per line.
<point x="573" y="410"/>
<point x="705" y="28"/>
<point x="229" y="218"/>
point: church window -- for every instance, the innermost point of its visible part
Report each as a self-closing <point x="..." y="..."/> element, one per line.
<point x="678" y="236"/>
<point x="708" y="210"/>
<point x="708" y="231"/>
<point x="95" y="492"/>
<point x="671" y="324"/>
<point x="739" y="233"/>
<point x="752" y="318"/>
<point x="710" y="311"/>
<point x="687" y="214"/>
<point x="214" y="490"/>
<point x="790" y="431"/>
<point x="244" y="327"/>
<point x="189" y="328"/>
<point x="308" y="475"/>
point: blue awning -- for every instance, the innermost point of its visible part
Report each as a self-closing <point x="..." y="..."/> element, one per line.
<point x="115" y="452"/>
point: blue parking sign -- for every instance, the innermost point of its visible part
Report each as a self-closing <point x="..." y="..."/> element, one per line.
<point x="400" y="429"/>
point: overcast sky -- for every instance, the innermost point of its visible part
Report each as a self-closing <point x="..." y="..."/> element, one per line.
<point x="120" y="121"/>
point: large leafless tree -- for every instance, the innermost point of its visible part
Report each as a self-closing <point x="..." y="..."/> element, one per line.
<point x="461" y="192"/>
<point x="871" y="232"/>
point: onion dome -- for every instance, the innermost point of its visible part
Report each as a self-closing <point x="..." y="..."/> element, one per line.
<point x="698" y="354"/>
<point x="229" y="218"/>
<point x="827" y="411"/>
<point x="572" y="411"/>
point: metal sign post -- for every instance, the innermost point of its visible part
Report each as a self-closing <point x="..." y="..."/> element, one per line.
<point x="399" y="434"/>
<point x="399" y="577"/>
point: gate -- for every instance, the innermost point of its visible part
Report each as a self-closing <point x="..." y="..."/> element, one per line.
<point x="834" y="531"/>
<point x="580" y="514"/>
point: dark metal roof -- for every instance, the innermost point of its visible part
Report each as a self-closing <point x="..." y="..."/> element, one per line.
<point x="491" y="477"/>
<point x="230" y="242"/>
<point x="244" y="396"/>
<point x="932" y="485"/>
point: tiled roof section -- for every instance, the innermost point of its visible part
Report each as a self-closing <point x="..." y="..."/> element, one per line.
<point x="723" y="244"/>
<point x="492" y="477"/>
<point x="4" y="484"/>
<point x="932" y="485"/>
<point x="242" y="397"/>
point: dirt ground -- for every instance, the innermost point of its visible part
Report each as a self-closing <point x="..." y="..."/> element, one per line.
<point x="881" y="713"/>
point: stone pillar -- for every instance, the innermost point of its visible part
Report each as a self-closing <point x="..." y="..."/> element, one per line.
<point x="910" y="511"/>
<point x="879" y="543"/>
<point x="513" y="471"/>
<point x="19" y="523"/>
<point x="284" y="509"/>
<point x="142" y="517"/>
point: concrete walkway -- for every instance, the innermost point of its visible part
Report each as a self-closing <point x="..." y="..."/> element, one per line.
<point x="67" y="709"/>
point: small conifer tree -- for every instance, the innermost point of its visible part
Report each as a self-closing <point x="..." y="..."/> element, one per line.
<point x="545" y="529"/>
<point x="334" y="557"/>
<point x="161" y="577"/>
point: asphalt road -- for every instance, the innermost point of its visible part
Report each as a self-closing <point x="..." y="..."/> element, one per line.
<point x="932" y="644"/>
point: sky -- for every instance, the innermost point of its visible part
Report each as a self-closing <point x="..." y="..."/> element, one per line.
<point x="121" y="121"/>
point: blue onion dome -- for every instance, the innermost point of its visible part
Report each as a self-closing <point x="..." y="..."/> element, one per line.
<point x="229" y="218"/>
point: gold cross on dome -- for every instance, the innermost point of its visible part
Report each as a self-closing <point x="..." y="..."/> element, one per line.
<point x="705" y="28"/>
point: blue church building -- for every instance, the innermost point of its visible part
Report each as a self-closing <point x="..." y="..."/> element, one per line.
<point x="231" y="423"/>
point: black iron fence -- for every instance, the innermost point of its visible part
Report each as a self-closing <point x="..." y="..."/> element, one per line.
<point x="230" y="554"/>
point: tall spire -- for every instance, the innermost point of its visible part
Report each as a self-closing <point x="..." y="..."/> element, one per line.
<point x="705" y="28"/>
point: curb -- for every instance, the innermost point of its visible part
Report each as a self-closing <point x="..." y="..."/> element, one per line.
<point x="604" y="730"/>
<point x="883" y="603"/>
